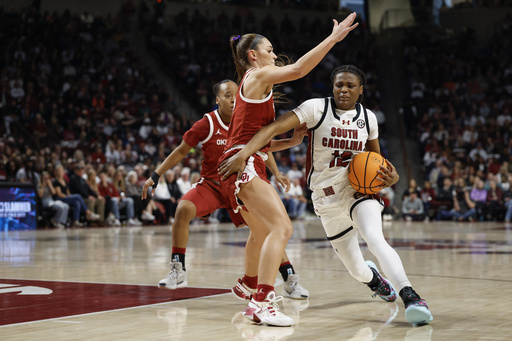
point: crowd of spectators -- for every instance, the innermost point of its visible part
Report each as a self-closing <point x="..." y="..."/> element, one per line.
<point x="86" y="122"/>
<point x="73" y="93"/>
<point x="459" y="111"/>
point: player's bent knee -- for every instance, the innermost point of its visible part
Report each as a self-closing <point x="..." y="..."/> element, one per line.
<point x="286" y="232"/>
<point x="186" y="210"/>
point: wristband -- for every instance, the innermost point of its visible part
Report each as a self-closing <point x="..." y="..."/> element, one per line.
<point x="155" y="178"/>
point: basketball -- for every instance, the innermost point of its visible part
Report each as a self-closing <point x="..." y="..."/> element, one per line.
<point x="362" y="172"/>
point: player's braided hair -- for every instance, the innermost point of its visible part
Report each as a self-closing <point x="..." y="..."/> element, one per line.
<point x="354" y="70"/>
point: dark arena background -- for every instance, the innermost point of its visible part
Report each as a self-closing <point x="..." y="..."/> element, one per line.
<point x="108" y="88"/>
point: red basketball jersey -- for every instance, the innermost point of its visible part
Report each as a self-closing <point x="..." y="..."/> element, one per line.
<point x="212" y="132"/>
<point x="249" y="116"/>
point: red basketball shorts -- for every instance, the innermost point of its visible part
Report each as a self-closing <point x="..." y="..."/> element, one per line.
<point x="208" y="196"/>
<point x="254" y="166"/>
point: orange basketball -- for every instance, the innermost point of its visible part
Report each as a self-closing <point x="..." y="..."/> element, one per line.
<point x="362" y="172"/>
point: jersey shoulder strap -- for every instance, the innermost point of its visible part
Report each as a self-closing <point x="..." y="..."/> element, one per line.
<point x="366" y="118"/>
<point x="210" y="133"/>
<point x="323" y="114"/>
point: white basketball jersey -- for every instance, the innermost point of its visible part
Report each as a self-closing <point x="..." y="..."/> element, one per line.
<point x="335" y="137"/>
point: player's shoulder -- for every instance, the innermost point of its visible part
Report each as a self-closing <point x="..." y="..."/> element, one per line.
<point x="370" y="112"/>
<point x="202" y="123"/>
<point x="210" y="114"/>
<point x="206" y="118"/>
<point x="313" y="103"/>
<point x="317" y="101"/>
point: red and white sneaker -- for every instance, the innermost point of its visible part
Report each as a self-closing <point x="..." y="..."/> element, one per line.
<point x="242" y="291"/>
<point x="267" y="311"/>
<point x="249" y="311"/>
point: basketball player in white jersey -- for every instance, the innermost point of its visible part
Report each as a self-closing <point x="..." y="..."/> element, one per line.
<point x="340" y="128"/>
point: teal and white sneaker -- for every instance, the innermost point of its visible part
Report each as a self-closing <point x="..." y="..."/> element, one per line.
<point x="416" y="309"/>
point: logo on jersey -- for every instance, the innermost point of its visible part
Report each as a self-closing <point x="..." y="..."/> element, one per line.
<point x="329" y="191"/>
<point x="218" y="132"/>
<point x="345" y="122"/>
<point x="222" y="142"/>
<point x="361" y="123"/>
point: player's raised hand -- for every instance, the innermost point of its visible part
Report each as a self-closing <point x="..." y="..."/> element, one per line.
<point x="342" y="29"/>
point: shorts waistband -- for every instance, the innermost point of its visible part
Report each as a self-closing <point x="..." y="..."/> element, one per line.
<point x="263" y="155"/>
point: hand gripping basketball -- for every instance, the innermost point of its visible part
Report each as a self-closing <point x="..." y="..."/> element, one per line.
<point x="366" y="175"/>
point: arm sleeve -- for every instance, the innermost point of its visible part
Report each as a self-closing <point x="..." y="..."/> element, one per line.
<point x="198" y="132"/>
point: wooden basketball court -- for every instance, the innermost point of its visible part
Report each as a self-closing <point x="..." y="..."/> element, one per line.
<point x="100" y="284"/>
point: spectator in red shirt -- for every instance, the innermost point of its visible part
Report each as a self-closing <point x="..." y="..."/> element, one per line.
<point x="98" y="156"/>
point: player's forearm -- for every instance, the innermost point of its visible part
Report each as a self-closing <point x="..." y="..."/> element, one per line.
<point x="278" y="145"/>
<point x="172" y="160"/>
<point x="272" y="165"/>
<point x="262" y="137"/>
<point x="307" y="62"/>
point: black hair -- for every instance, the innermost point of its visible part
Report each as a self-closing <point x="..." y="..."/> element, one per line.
<point x="216" y="87"/>
<point x="353" y="70"/>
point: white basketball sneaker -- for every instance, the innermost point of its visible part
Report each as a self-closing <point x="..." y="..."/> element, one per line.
<point x="242" y="291"/>
<point x="267" y="311"/>
<point x="177" y="277"/>
<point x="293" y="289"/>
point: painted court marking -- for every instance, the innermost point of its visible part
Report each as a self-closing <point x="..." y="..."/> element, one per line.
<point x="33" y="300"/>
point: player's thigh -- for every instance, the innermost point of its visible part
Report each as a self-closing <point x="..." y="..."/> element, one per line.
<point x="264" y="203"/>
<point x="205" y="199"/>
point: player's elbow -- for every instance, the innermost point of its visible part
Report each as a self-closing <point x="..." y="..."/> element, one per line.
<point x="296" y="71"/>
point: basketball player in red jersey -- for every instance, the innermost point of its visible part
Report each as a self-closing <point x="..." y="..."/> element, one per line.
<point x="340" y="127"/>
<point x="206" y="196"/>
<point x="252" y="193"/>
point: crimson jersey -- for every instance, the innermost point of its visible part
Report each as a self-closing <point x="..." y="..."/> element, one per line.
<point x="212" y="132"/>
<point x="249" y="116"/>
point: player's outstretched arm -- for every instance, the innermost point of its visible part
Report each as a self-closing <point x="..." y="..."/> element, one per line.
<point x="272" y="74"/>
<point x="170" y="161"/>
<point x="298" y="135"/>
<point x="236" y="163"/>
